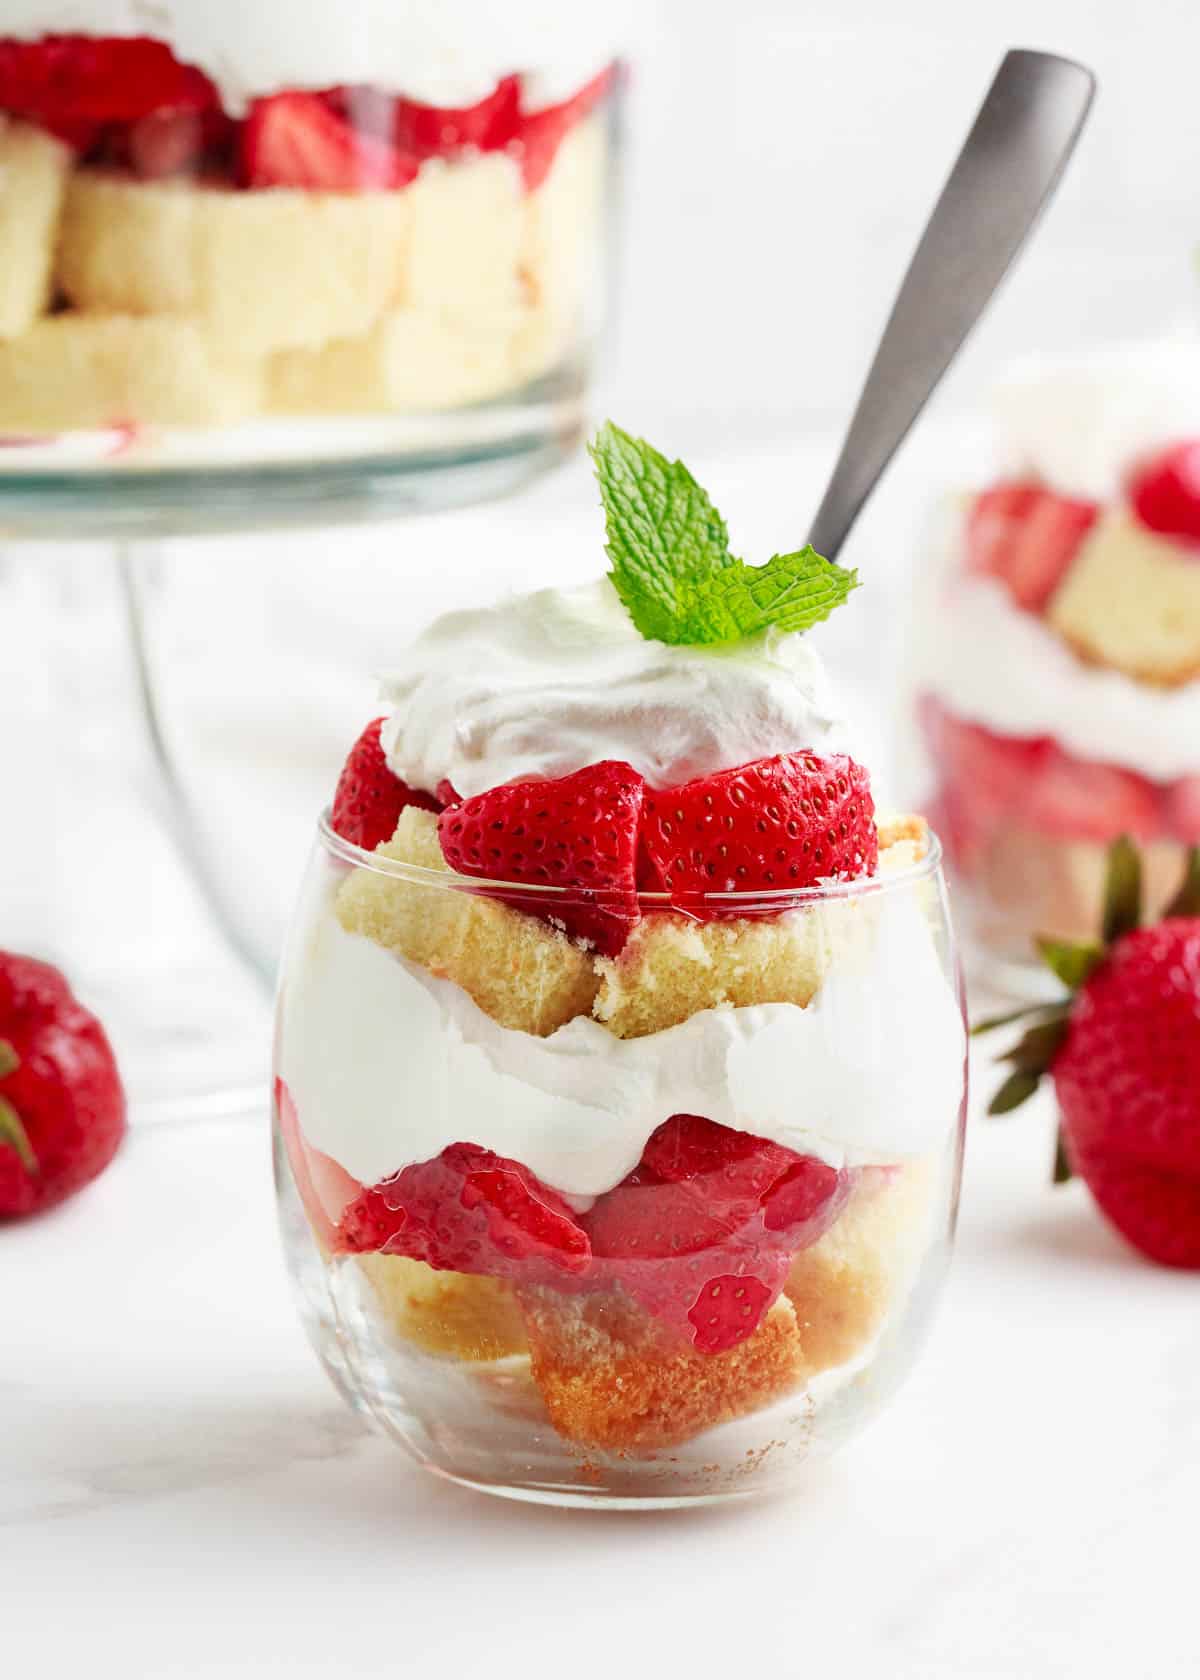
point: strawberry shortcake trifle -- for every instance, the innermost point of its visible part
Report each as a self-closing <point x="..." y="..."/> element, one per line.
<point x="620" y="1064"/>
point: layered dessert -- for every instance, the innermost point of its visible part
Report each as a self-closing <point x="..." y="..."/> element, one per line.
<point x="1059" y="662"/>
<point x="620" y="1058"/>
<point x="214" y="213"/>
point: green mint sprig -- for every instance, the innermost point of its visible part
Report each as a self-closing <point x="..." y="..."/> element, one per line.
<point x="671" y="563"/>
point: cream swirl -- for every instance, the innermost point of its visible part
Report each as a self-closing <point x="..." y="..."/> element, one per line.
<point x="451" y="54"/>
<point x="544" y="684"/>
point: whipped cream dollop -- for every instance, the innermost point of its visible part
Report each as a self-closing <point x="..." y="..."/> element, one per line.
<point x="450" y="54"/>
<point x="389" y="1065"/>
<point x="993" y="664"/>
<point x="544" y="684"/>
<point x="1081" y="423"/>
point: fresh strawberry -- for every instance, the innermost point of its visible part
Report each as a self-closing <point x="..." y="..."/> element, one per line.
<point x="1028" y="537"/>
<point x="69" y="83"/>
<point x="325" y="1188"/>
<point x="578" y="832"/>
<point x="708" y="1207"/>
<point x="469" y="1210"/>
<point x="540" y="133"/>
<point x="784" y="822"/>
<point x="1123" y="1050"/>
<point x="167" y="143"/>
<point x="369" y="798"/>
<point x="989" y="775"/>
<point x="439" y="131"/>
<point x="299" y="140"/>
<point x="62" y="1106"/>
<point x="1181" y="811"/>
<point x="1165" y="493"/>
<point x="1079" y="800"/>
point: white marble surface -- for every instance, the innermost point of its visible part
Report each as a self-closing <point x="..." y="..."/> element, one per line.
<point x="182" y="1494"/>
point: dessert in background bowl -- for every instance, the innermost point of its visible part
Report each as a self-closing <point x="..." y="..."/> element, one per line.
<point x="1058" y="664"/>
<point x="218" y="214"/>
<point x="620" y="1065"/>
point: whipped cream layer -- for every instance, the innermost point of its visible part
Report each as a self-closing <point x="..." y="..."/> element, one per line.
<point x="1081" y="423"/>
<point x="544" y="684"/>
<point x="993" y="664"/>
<point x="388" y="1064"/>
<point x="450" y="54"/>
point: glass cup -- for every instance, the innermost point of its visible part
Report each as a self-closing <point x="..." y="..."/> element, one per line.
<point x="652" y="1229"/>
<point x="372" y="245"/>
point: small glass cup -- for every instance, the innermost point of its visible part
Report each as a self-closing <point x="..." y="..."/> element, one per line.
<point x="650" y="1230"/>
<point x="334" y="248"/>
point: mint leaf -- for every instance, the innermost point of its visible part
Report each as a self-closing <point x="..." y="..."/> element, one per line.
<point x="792" y="592"/>
<point x="664" y="535"/>
<point x="671" y="564"/>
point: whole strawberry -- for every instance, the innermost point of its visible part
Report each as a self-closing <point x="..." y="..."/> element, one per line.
<point x="1124" y="1053"/>
<point x="62" y="1105"/>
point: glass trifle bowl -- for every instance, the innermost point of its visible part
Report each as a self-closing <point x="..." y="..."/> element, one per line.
<point x="620" y="1060"/>
<point x="249" y="235"/>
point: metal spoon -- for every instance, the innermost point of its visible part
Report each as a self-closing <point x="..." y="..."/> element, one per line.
<point x="1006" y="173"/>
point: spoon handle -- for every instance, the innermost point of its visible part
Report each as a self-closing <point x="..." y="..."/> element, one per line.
<point x="1007" y="171"/>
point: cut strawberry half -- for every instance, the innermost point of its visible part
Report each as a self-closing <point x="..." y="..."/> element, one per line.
<point x="1028" y="537"/>
<point x="578" y="832"/>
<point x="702" y="1232"/>
<point x="299" y="140"/>
<point x="69" y="83"/>
<point x="440" y="131"/>
<point x="369" y="798"/>
<point x="540" y="133"/>
<point x="1165" y="493"/>
<point x="1181" y="810"/>
<point x="469" y="1210"/>
<point x="786" y="822"/>
<point x="325" y="1188"/>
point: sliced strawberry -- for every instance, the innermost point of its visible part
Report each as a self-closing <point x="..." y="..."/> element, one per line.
<point x="68" y="82"/>
<point x="1080" y="800"/>
<point x="298" y="140"/>
<point x="1181" y="810"/>
<point x="469" y="1210"/>
<point x="1165" y="493"/>
<point x="780" y="822"/>
<point x="439" y="131"/>
<point x="708" y="1206"/>
<point x="167" y="143"/>
<point x="1028" y="537"/>
<point x="448" y="794"/>
<point x="325" y="1189"/>
<point x="540" y="133"/>
<point x="369" y="798"/>
<point x="987" y="776"/>
<point x="578" y="832"/>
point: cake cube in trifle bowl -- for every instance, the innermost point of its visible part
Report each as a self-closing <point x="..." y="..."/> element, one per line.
<point x="620" y="1064"/>
<point x="1056" y="661"/>
<point x="363" y="227"/>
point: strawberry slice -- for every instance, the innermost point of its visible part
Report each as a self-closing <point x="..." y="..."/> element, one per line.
<point x="578" y="832"/>
<point x="1165" y="493"/>
<point x="299" y="140"/>
<point x="1079" y="799"/>
<point x="369" y="798"/>
<point x="1028" y="537"/>
<point x="780" y="822"/>
<point x="540" y="133"/>
<point x="1181" y="813"/>
<point x="469" y="1210"/>
<point x="70" y="83"/>
<point x="325" y="1188"/>
<point x="440" y="131"/>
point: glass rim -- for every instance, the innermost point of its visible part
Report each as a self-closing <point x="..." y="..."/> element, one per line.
<point x="546" y="893"/>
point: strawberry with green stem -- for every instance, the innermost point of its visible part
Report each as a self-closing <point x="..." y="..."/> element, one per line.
<point x="1123" y="1049"/>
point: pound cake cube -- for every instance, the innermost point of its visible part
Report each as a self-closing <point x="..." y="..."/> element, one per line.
<point x="561" y="251"/>
<point x="262" y="271"/>
<point x="1131" y="601"/>
<point x="464" y="252"/>
<point x="844" y="1286"/>
<point x="72" y="372"/>
<point x="448" y="1313"/>
<point x="522" y="972"/>
<point x="411" y="361"/>
<point x="33" y="178"/>
<point x="610" y="1378"/>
